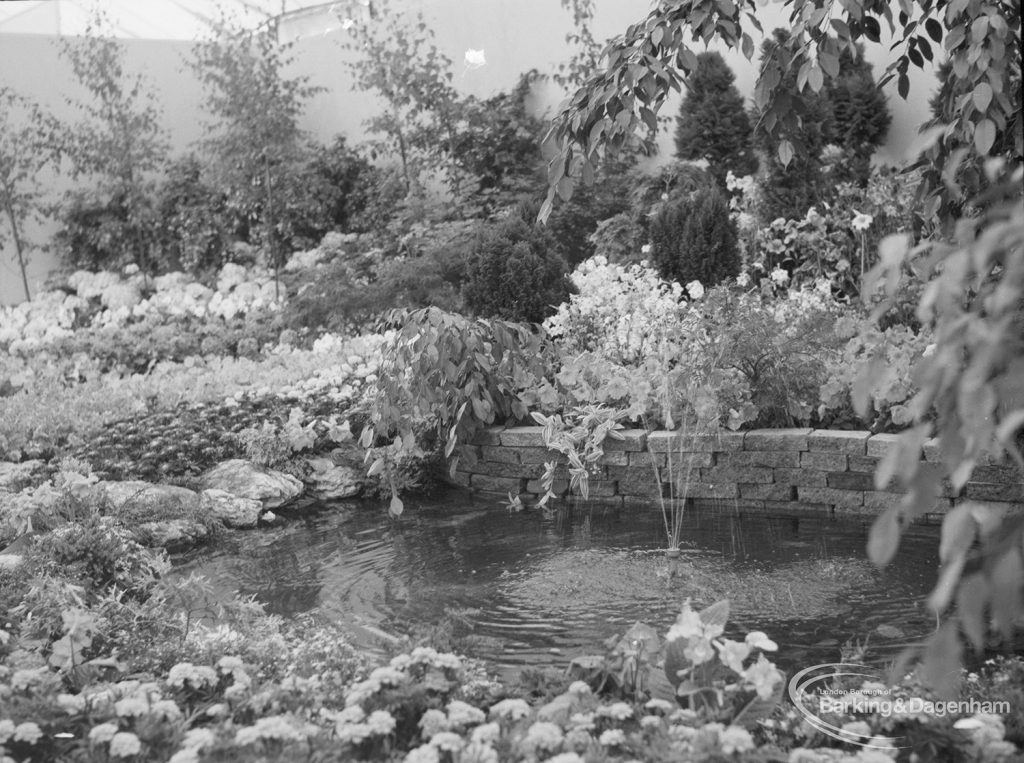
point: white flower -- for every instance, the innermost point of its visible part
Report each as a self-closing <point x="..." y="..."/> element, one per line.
<point x="486" y="733"/>
<point x="662" y="705"/>
<point x="764" y="676"/>
<point x="695" y="289"/>
<point x="131" y="706"/>
<point x="124" y="744"/>
<point x="27" y="732"/>
<point x="6" y="730"/>
<point x="758" y="640"/>
<point x="620" y="711"/>
<point x="423" y="754"/>
<point x="743" y="280"/>
<point x="929" y="350"/>
<point x="779" y="276"/>
<point x="463" y="714"/>
<point x="650" y="721"/>
<point x="71" y="703"/>
<point x="381" y="722"/>
<point x="612" y="737"/>
<point x="475" y="752"/>
<point x="645" y="249"/>
<point x="447" y="740"/>
<point x="544" y="735"/>
<point x="510" y="709"/>
<point x="102" y="733"/>
<point x="733" y="653"/>
<point x="185" y="755"/>
<point x="474" y="58"/>
<point x="565" y="757"/>
<point x="197" y="739"/>
<point x="735" y="739"/>
<point x="433" y="722"/>
<point x="861" y="221"/>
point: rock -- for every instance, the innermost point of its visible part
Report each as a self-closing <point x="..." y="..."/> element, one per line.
<point x="232" y="510"/>
<point x="15" y="476"/>
<point x="173" y="534"/>
<point x="246" y="480"/>
<point x="144" y="500"/>
<point x="329" y="481"/>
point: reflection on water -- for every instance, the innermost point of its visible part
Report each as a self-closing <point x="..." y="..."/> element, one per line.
<point x="534" y="589"/>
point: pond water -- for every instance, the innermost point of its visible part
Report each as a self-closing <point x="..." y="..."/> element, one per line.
<point x="527" y="589"/>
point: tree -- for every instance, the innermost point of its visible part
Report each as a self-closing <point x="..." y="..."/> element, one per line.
<point x="694" y="239"/>
<point x="25" y="150"/>
<point x="860" y="114"/>
<point x="975" y="301"/>
<point x="254" y="133"/>
<point x="119" y="141"/>
<point x="792" y="187"/>
<point x="398" y="60"/>
<point x="712" y="122"/>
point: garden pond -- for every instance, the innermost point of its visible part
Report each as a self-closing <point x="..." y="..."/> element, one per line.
<point x="533" y="589"/>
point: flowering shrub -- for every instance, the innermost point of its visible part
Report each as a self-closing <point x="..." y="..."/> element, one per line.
<point x="876" y="365"/>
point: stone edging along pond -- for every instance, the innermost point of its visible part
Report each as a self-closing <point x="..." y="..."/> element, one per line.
<point x="775" y="469"/>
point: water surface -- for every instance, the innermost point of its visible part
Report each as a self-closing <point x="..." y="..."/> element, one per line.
<point x="529" y="589"/>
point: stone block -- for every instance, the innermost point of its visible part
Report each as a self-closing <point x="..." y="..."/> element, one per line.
<point x="866" y="464"/>
<point x="768" y="492"/>
<point x="798" y="507"/>
<point x="539" y="455"/>
<point x="737" y="474"/>
<point x="880" y="444"/>
<point x="990" y="491"/>
<point x="499" y="455"/>
<point x="488" y="436"/>
<point x="837" y="441"/>
<point x="806" y="477"/>
<point x="645" y="460"/>
<point x="616" y="458"/>
<point x="502" y="485"/>
<point x="469" y="454"/>
<point x="662" y="442"/>
<point x="522" y="437"/>
<point x="832" y="496"/>
<point x="850" y="481"/>
<point x="726" y="505"/>
<point x="602" y="488"/>
<point x="881" y="501"/>
<point x="997" y="474"/>
<point x="771" y="458"/>
<point x="777" y="439"/>
<point x="632" y="440"/>
<point x="494" y="469"/>
<point x="642" y="488"/>
<point x="825" y="462"/>
<point x="715" y="490"/>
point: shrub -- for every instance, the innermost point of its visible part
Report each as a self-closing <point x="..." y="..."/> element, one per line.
<point x="515" y="273"/>
<point x="98" y="232"/>
<point x="193" y="224"/>
<point x="712" y="123"/>
<point x="693" y="238"/>
<point x="342" y="174"/>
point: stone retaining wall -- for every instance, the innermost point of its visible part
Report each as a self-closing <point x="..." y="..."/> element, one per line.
<point x="810" y="469"/>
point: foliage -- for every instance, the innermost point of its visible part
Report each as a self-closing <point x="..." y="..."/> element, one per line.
<point x="619" y="239"/>
<point x="972" y="379"/>
<point x="898" y="349"/>
<point x="514" y="272"/>
<point x="25" y="152"/>
<point x="396" y="58"/>
<point x="119" y="142"/>
<point x="253" y="134"/>
<point x="450" y="374"/>
<point x="694" y="239"/>
<point x="712" y="123"/>
<point x="338" y="174"/>
<point x="781" y="348"/>
<point x="644" y="63"/>
<point x="860" y="117"/>
<point x="193" y="219"/>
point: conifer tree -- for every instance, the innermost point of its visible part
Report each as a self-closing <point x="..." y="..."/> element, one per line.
<point x="712" y="123"/>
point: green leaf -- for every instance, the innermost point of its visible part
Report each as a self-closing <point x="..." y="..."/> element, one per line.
<point x="982" y="96"/>
<point x="397" y="507"/>
<point x="815" y="78"/>
<point x="958" y="532"/>
<point x="971" y="599"/>
<point x="785" y="152"/>
<point x="942" y="660"/>
<point x="716" y="614"/>
<point x="884" y="538"/>
<point x="934" y="29"/>
<point x="984" y="136"/>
